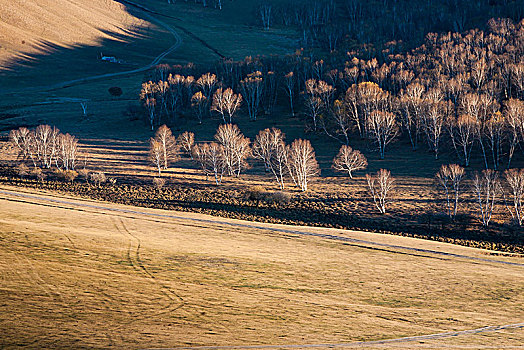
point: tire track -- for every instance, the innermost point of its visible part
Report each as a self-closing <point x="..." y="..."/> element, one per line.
<point x="168" y="292"/>
<point x="358" y="344"/>
<point x="175" y="305"/>
<point x="174" y="302"/>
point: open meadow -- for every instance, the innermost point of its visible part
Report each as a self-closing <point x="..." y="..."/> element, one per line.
<point x="87" y="274"/>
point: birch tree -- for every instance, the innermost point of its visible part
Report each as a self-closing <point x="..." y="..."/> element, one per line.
<point x="302" y="163"/>
<point x="486" y="188"/>
<point x="349" y="160"/>
<point x="515" y="181"/>
<point x="226" y="103"/>
<point x="449" y="178"/>
<point x="383" y="129"/>
<point x="380" y="187"/>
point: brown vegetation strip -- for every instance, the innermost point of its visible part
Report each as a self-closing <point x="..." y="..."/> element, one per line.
<point x="260" y="227"/>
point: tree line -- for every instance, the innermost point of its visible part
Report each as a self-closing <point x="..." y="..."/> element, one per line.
<point x="296" y="162"/>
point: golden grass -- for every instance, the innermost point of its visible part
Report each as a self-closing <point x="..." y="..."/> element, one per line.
<point x="93" y="278"/>
<point x="25" y="25"/>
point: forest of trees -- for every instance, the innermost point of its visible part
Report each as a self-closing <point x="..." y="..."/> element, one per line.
<point x="374" y="27"/>
<point x="457" y="91"/>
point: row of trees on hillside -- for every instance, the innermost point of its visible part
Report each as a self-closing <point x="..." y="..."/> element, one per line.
<point x="228" y="156"/>
<point x="229" y="153"/>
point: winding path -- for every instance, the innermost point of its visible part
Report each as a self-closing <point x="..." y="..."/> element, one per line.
<point x="359" y="343"/>
<point x="157" y="60"/>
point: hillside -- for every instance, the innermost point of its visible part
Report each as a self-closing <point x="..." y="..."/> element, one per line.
<point x="30" y="27"/>
<point x="125" y="277"/>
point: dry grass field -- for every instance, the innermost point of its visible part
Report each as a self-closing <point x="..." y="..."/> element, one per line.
<point x="27" y="27"/>
<point x="76" y="276"/>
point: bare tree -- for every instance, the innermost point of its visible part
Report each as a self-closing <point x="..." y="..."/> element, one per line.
<point x="342" y="121"/>
<point x="411" y="105"/>
<point x="486" y="187"/>
<point x="265" y="15"/>
<point x="269" y="146"/>
<point x="349" y="160"/>
<point x="382" y="128"/>
<point x="83" y="104"/>
<point x="270" y="91"/>
<point x="156" y="154"/>
<point x="186" y="140"/>
<point x="290" y="82"/>
<point x="515" y="181"/>
<point x="226" y="103"/>
<point x="67" y="151"/>
<point x="147" y="95"/>
<point x="278" y="161"/>
<point x="514" y="117"/>
<point x="200" y="105"/>
<point x="98" y="178"/>
<point x="46" y="141"/>
<point x="494" y="132"/>
<point x="174" y="93"/>
<point x="302" y="163"/>
<point x="24" y="141"/>
<point x="168" y="143"/>
<point x="207" y="83"/>
<point x="200" y="153"/>
<point x="318" y="97"/>
<point x="433" y="122"/>
<point x="262" y="146"/>
<point x="150" y="105"/>
<point x="449" y="177"/>
<point x="163" y="90"/>
<point x="215" y="161"/>
<point x="236" y="148"/>
<point x="462" y="132"/>
<point x="380" y="187"/>
<point x="361" y="100"/>
<point x="252" y="87"/>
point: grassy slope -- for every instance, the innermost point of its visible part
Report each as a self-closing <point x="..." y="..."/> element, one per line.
<point x="119" y="280"/>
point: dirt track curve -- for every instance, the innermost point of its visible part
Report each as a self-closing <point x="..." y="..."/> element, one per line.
<point x="360" y="343"/>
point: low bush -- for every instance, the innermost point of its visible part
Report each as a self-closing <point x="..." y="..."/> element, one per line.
<point x="66" y="175"/>
<point x="98" y="178"/>
<point x="38" y="174"/>
<point x="84" y="173"/>
<point x="22" y="170"/>
<point x="278" y="197"/>
<point x="159" y="182"/>
<point x="256" y="194"/>
<point x="115" y="91"/>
